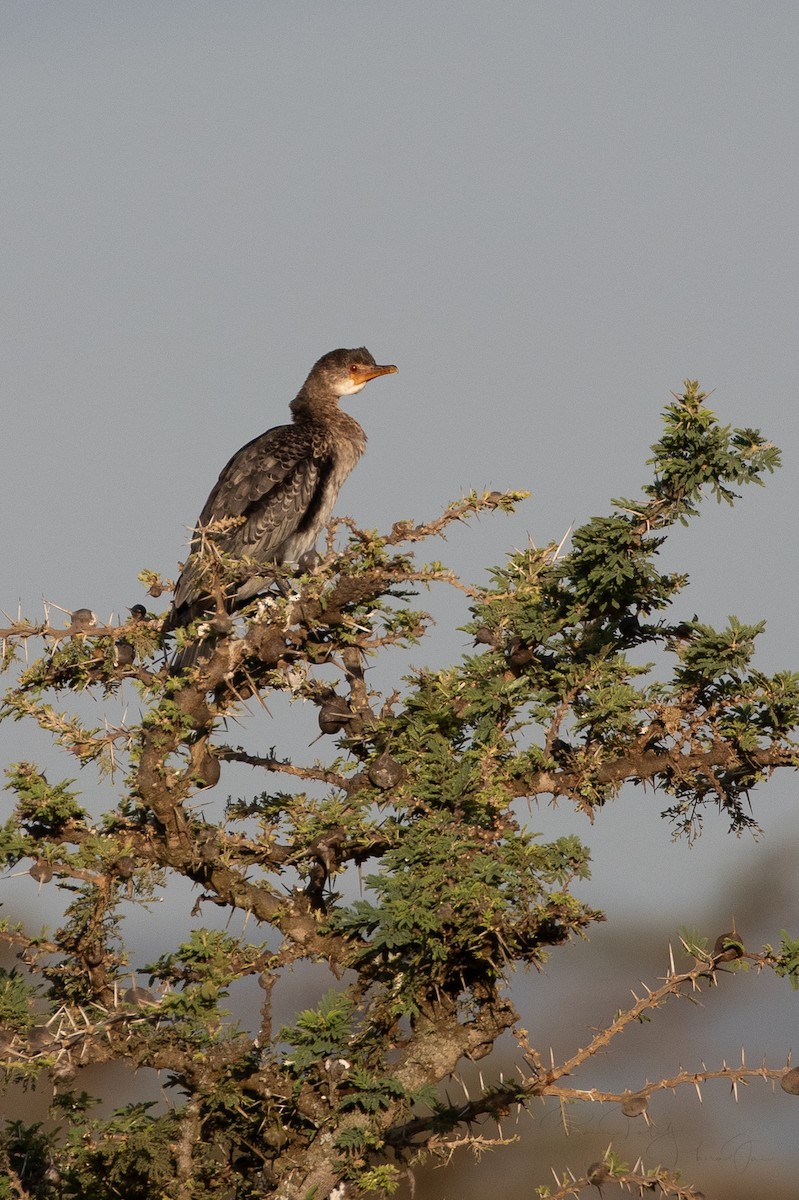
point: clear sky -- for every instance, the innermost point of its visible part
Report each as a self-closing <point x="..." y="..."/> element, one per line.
<point x="547" y="214"/>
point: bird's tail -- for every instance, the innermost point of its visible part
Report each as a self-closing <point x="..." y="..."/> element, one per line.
<point x="195" y="654"/>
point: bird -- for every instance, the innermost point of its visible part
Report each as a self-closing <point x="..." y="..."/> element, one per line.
<point x="276" y="494"/>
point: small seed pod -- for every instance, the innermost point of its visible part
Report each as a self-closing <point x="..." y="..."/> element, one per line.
<point x="94" y="955"/>
<point x="634" y="1106"/>
<point x="790" y="1082"/>
<point x="309" y="561"/>
<point x="124" y="867"/>
<point x="268" y="643"/>
<point x="519" y="653"/>
<point x="728" y="947"/>
<point x="629" y="625"/>
<point x="210" y="770"/>
<point x="385" y="772"/>
<point x="40" y="1038"/>
<point x="83" y="618"/>
<point x="124" y="654"/>
<point x="221" y="623"/>
<point x="597" y="1173"/>
<point x="334" y="715"/>
<point x="204" y="765"/>
<point x="561" y="749"/>
<point x="41" y="871"/>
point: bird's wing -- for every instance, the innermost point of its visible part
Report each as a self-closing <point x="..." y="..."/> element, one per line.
<point x="271" y="482"/>
<point x="252" y="473"/>
<point x="274" y="483"/>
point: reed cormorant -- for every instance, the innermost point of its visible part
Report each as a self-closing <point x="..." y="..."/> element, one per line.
<point x="276" y="494"/>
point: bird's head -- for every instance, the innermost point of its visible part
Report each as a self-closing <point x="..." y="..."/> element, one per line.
<point x="345" y="372"/>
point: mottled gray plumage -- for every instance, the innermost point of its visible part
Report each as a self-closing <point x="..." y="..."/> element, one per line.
<point x="282" y="486"/>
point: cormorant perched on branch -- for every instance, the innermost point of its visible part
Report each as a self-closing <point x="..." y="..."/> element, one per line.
<point x="278" y="491"/>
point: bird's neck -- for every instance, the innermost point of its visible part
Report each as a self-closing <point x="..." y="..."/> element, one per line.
<point x="323" y="405"/>
<point x="322" y="409"/>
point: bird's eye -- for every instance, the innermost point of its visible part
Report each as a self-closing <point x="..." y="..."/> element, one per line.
<point x="353" y="369"/>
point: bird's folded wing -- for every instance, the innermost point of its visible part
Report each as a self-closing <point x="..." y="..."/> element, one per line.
<point x="275" y="484"/>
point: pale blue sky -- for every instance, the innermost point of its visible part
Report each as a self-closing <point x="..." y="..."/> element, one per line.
<point x="547" y="214"/>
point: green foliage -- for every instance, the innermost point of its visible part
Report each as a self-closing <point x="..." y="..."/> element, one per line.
<point x="16" y="1001"/>
<point x="43" y="809"/>
<point x="25" y="1155"/>
<point x="786" y="962"/>
<point x="319" y="1033"/>
<point x="383" y="1180"/>
<point x="454" y="907"/>
<point x="130" y="1154"/>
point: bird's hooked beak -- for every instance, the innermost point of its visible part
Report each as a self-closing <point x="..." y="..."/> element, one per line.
<point x="363" y="373"/>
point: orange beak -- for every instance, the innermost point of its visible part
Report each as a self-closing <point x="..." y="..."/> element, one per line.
<point x="364" y="374"/>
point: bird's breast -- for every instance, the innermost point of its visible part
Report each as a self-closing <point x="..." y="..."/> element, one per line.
<point x="336" y="450"/>
<point x="346" y="442"/>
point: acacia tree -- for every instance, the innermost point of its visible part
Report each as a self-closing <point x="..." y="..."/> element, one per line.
<point x="418" y="798"/>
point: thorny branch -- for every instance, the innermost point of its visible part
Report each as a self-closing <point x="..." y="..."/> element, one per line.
<point x="658" y="1181"/>
<point x="496" y="1100"/>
